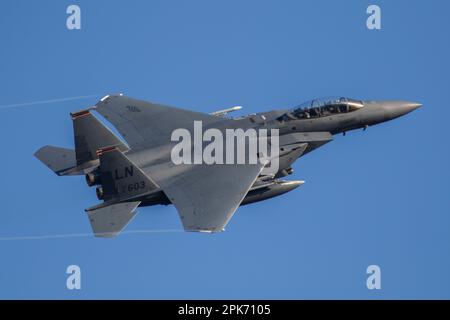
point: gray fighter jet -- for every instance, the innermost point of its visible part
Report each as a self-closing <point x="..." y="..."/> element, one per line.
<point x="137" y="169"/>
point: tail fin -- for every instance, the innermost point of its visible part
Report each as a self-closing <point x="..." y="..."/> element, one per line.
<point x="90" y="135"/>
<point x="122" y="183"/>
<point x="121" y="179"/>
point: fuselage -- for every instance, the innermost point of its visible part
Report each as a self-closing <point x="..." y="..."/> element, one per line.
<point x="205" y="164"/>
<point x="331" y="116"/>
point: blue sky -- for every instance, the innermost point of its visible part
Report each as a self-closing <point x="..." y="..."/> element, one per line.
<point x="374" y="197"/>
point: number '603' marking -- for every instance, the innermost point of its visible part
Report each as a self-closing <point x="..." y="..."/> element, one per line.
<point x="133" y="187"/>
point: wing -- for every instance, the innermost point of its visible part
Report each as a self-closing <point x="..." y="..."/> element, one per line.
<point x="144" y="124"/>
<point x="206" y="196"/>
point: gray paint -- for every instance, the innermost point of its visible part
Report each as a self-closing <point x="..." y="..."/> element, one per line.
<point x="206" y="196"/>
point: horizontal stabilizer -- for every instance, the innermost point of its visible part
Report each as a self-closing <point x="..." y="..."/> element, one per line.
<point x="62" y="161"/>
<point x="109" y="221"/>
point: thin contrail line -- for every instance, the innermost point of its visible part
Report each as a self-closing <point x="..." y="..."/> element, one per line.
<point x="23" y="104"/>
<point x="79" y="235"/>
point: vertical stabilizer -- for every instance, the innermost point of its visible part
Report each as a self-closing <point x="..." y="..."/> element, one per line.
<point x="90" y="135"/>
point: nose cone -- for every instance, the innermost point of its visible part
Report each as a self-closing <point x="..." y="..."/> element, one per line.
<point x="410" y="106"/>
<point x="395" y="109"/>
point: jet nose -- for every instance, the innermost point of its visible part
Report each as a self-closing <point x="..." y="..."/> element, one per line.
<point x="395" y="109"/>
<point x="411" y="106"/>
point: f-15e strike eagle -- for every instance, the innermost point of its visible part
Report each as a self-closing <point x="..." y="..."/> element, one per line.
<point x="139" y="170"/>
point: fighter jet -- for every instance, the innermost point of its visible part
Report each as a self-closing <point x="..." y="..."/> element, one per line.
<point x="135" y="167"/>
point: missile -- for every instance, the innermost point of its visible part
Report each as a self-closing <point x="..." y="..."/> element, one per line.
<point x="224" y="112"/>
<point x="267" y="191"/>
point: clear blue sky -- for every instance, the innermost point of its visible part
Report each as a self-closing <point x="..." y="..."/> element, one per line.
<point x="375" y="197"/>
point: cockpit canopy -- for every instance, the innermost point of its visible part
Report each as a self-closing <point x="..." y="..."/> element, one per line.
<point x="322" y="107"/>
